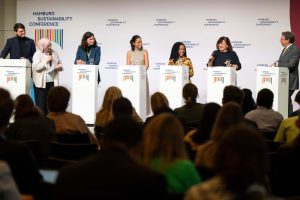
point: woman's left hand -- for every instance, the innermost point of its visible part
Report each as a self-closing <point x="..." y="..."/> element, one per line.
<point x="58" y="67"/>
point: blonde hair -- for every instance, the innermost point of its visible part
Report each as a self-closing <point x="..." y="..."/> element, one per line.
<point x="158" y="101"/>
<point x="163" y="138"/>
<point x="230" y="114"/>
<point x="105" y="114"/>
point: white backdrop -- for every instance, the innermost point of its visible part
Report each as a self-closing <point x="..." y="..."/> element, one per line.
<point x="254" y="28"/>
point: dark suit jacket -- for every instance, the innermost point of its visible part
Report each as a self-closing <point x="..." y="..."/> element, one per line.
<point x="290" y="59"/>
<point x="110" y="174"/>
<point x="12" y="48"/>
<point x="190" y="115"/>
<point x="23" y="166"/>
<point x="95" y="53"/>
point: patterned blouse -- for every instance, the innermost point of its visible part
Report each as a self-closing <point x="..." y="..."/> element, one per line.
<point x="184" y="62"/>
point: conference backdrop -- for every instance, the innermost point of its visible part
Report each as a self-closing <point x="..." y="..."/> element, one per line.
<point x="254" y="28"/>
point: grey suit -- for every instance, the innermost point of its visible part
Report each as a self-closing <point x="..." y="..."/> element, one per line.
<point x="290" y="59"/>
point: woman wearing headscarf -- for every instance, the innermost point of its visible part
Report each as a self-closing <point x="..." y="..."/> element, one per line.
<point x="45" y="67"/>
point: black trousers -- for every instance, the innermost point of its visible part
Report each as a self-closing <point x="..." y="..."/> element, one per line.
<point x="290" y="102"/>
<point x="41" y="95"/>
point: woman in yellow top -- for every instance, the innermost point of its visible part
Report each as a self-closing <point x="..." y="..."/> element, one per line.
<point x="178" y="57"/>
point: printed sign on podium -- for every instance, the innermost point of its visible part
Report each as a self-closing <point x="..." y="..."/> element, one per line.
<point x="172" y="80"/>
<point x="15" y="76"/>
<point x="217" y="79"/>
<point x="132" y="82"/>
<point x="84" y="92"/>
<point x="275" y="79"/>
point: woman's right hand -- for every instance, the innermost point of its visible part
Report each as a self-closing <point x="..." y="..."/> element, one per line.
<point x="210" y="61"/>
<point x="49" y="58"/>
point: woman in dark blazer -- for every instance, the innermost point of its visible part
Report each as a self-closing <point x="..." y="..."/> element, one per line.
<point x="88" y="52"/>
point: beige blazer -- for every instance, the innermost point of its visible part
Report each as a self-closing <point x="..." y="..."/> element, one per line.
<point x="40" y="68"/>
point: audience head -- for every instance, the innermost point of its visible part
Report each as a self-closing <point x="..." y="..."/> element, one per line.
<point x="248" y="103"/>
<point x="229" y="115"/>
<point x="158" y="101"/>
<point x="209" y="114"/>
<point x="190" y="93"/>
<point x="88" y="40"/>
<point x="241" y="159"/>
<point x="232" y="93"/>
<point x="58" y="99"/>
<point x="24" y="107"/>
<point x="136" y="43"/>
<point x="111" y="94"/>
<point x="265" y="98"/>
<point x="19" y="29"/>
<point x="224" y="44"/>
<point x="163" y="138"/>
<point x="123" y="130"/>
<point x="6" y="107"/>
<point x="122" y="107"/>
<point x="178" y="50"/>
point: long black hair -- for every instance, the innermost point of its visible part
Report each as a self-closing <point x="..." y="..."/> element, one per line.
<point x="85" y="36"/>
<point x="174" y="52"/>
<point x="132" y="41"/>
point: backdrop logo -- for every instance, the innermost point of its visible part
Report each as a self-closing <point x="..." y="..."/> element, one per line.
<point x="11" y="78"/>
<point x="266" y="79"/>
<point x="283" y="80"/>
<point x="83" y="76"/>
<point x="218" y="78"/>
<point x="189" y="44"/>
<point x="128" y="77"/>
<point x="213" y="22"/>
<point x="54" y="35"/>
<point x="266" y="22"/>
<point x="163" y="22"/>
<point x="240" y="44"/>
<point x="115" y="22"/>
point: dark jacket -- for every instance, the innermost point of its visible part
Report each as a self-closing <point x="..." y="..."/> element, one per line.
<point x="12" y="48"/>
<point x="110" y="174"/>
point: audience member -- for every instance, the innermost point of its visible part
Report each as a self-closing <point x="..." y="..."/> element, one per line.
<point x="159" y="103"/>
<point x="241" y="166"/>
<point x="65" y="122"/>
<point x="31" y="124"/>
<point x="202" y="134"/>
<point x="114" y="173"/>
<point x="190" y="114"/>
<point x="248" y="102"/>
<point x="19" y="158"/>
<point x="288" y="130"/>
<point x="284" y="173"/>
<point x="229" y="115"/>
<point x="232" y="93"/>
<point x="164" y="152"/>
<point x="264" y="116"/>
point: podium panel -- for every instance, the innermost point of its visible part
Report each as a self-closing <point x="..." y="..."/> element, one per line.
<point x="15" y="76"/>
<point x="84" y="92"/>
<point x="172" y="80"/>
<point x="275" y="79"/>
<point x="217" y="79"/>
<point x="132" y="82"/>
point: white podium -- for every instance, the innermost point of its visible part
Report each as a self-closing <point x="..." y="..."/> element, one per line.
<point x="132" y="82"/>
<point x="15" y="76"/>
<point x="275" y="79"/>
<point x="84" y="92"/>
<point x="172" y="80"/>
<point x="217" y="79"/>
